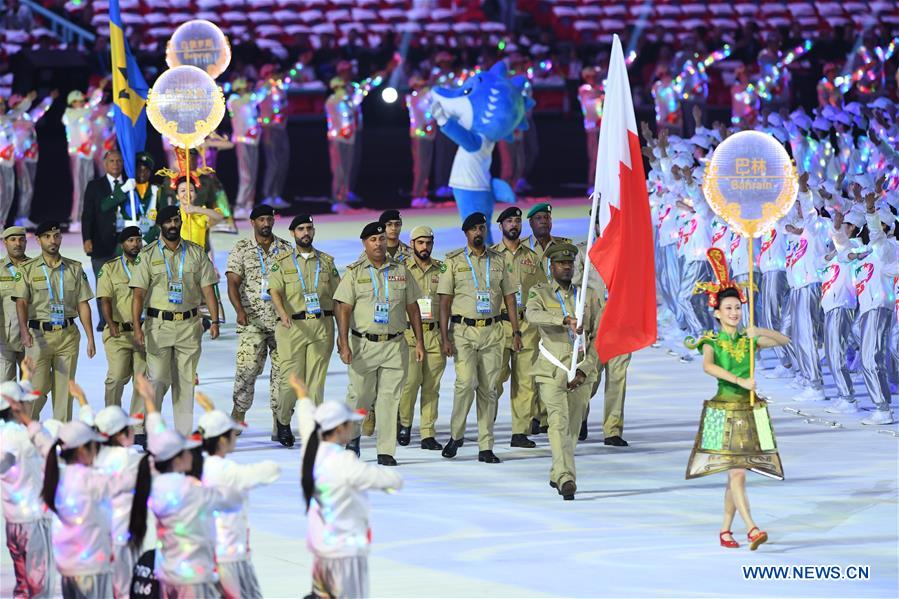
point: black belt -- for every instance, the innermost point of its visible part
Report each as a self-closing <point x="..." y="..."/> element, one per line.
<point x="370" y="337"/>
<point x="49" y="326"/>
<point x="310" y="315"/>
<point x="154" y="313"/>
<point x="425" y="326"/>
<point x="475" y="322"/>
<point x="505" y="316"/>
<point x="126" y="326"/>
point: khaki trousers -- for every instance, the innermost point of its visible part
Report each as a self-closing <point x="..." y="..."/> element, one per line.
<point x="520" y="368"/>
<point x="305" y="348"/>
<point x="425" y="376"/>
<point x="479" y="353"/>
<point x="125" y="361"/>
<point x="173" y="352"/>
<point x="55" y="355"/>
<point x="565" y="410"/>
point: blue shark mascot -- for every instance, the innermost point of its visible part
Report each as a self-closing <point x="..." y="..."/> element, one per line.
<point x="487" y="108"/>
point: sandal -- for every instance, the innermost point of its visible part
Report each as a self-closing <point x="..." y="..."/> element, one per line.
<point x="731" y="544"/>
<point x="755" y="540"/>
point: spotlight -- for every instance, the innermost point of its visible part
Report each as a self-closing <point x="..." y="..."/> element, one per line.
<point x="389" y="95"/>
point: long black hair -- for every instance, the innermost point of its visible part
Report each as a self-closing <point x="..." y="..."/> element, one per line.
<point x="51" y="472"/>
<point x="307" y="479"/>
<point x="6" y="415"/>
<point x="113" y="440"/>
<point x="137" y="526"/>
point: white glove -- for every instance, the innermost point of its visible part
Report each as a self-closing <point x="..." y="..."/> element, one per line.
<point x="86" y="415"/>
<point x="269" y="471"/>
<point x="439" y="113"/>
<point x="128" y="187"/>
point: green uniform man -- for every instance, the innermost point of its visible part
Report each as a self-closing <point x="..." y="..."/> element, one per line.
<point x="375" y="297"/>
<point x="172" y="279"/>
<point x="12" y="352"/>
<point x="251" y="264"/>
<point x="551" y="307"/>
<point x="523" y="264"/>
<point x="50" y="293"/>
<point x="125" y="359"/>
<point x="302" y="285"/>
<point x="474" y="284"/>
<point x="540" y="218"/>
<point x="424" y="375"/>
<point x="614" y="371"/>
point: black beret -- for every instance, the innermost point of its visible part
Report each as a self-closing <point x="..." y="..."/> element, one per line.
<point x="129" y="232"/>
<point x="261" y="210"/>
<point x="510" y="212"/>
<point x="167" y="212"/>
<point x="300" y="219"/>
<point x="389" y="215"/>
<point x="46" y="227"/>
<point x="474" y="219"/>
<point x="371" y="229"/>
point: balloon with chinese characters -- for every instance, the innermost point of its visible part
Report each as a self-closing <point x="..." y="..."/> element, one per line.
<point x="750" y="182"/>
<point x="201" y="44"/>
<point x="185" y="105"/>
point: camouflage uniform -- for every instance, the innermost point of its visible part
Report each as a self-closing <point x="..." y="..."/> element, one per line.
<point x="256" y="339"/>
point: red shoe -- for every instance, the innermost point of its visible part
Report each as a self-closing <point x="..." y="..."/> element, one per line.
<point x="757" y="539"/>
<point x="731" y="544"/>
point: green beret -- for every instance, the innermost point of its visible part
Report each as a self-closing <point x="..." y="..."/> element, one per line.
<point x="562" y="252"/>
<point x="145" y="159"/>
<point x="541" y="207"/>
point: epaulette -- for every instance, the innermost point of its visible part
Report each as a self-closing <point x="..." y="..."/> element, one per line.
<point x="562" y="239"/>
<point x="357" y="263"/>
<point x="454" y="253"/>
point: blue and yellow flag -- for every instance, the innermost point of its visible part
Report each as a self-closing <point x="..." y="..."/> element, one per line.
<point x="129" y="92"/>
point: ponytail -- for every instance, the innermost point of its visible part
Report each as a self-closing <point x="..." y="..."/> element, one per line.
<point x="51" y="477"/>
<point x="137" y="527"/>
<point x="308" y="472"/>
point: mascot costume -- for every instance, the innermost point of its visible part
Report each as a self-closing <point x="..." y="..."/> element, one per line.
<point x="487" y="108"/>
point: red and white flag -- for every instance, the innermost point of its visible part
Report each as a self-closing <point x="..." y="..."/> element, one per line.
<point x="623" y="252"/>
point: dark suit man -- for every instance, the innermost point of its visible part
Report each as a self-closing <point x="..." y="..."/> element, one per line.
<point x="100" y="212"/>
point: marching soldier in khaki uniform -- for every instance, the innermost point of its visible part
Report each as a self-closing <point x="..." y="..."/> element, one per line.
<point x="12" y="352"/>
<point x="393" y="225"/>
<point x="474" y="285"/>
<point x="551" y="307"/>
<point x="426" y="374"/>
<point x="174" y="276"/>
<point x="541" y="239"/>
<point x="250" y="266"/>
<point x="375" y="296"/>
<point x="302" y="285"/>
<point x="614" y="371"/>
<point x="126" y="360"/>
<point x="524" y="265"/>
<point x="51" y="292"/>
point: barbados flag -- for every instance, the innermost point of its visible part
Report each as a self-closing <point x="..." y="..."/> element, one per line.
<point x="129" y="92"/>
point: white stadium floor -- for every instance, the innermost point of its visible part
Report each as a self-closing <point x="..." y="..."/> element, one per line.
<point x="464" y="529"/>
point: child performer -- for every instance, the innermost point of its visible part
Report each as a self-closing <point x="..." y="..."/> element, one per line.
<point x="734" y="435"/>
<point x="184" y="510"/>
<point x="334" y="482"/>
<point x="21" y="477"/>
<point x="232" y="546"/>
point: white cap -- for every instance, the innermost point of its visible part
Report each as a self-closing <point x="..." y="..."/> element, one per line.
<point x="215" y="423"/>
<point x="112" y="419"/>
<point x="167" y="444"/>
<point x="775" y="120"/>
<point x="855" y="216"/>
<point x="882" y="103"/>
<point x="802" y="120"/>
<point x="821" y="124"/>
<point x="886" y="216"/>
<point x="9" y="390"/>
<point x="52" y="426"/>
<point x="76" y="433"/>
<point x="331" y="414"/>
<point x="853" y="108"/>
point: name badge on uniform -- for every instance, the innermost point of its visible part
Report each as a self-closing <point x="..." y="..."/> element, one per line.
<point x="483" y="302"/>
<point x="424" y="306"/>
<point x="263" y="291"/>
<point x="57" y="314"/>
<point x="176" y="292"/>
<point x="314" y="306"/>
<point x="382" y="312"/>
<point x="518" y="297"/>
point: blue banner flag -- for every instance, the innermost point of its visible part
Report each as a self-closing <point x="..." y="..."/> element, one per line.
<point x="129" y="92"/>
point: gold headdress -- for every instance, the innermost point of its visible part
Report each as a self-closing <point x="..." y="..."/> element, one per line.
<point x="713" y="288"/>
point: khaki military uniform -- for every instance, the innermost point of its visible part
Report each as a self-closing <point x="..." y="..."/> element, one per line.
<point x="305" y="347"/>
<point x="615" y="370"/>
<point x="12" y="352"/>
<point x="125" y="359"/>
<point x="377" y="372"/>
<point x="565" y="408"/>
<point x="531" y="242"/>
<point x="55" y="347"/>
<point x="427" y="374"/>
<point x="255" y="340"/>
<point x="526" y="271"/>
<point x="477" y="337"/>
<point x="172" y="331"/>
<point x="398" y="253"/>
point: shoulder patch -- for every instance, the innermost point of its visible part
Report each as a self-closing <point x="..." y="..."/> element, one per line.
<point x="275" y="268"/>
<point x="334" y="272"/>
<point x="18" y="277"/>
<point x="137" y="260"/>
<point x="100" y="273"/>
<point x="84" y="275"/>
<point x="532" y="293"/>
<point x="442" y="267"/>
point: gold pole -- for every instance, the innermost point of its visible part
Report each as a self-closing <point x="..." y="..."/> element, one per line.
<point x="751" y="319"/>
<point x="187" y="166"/>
